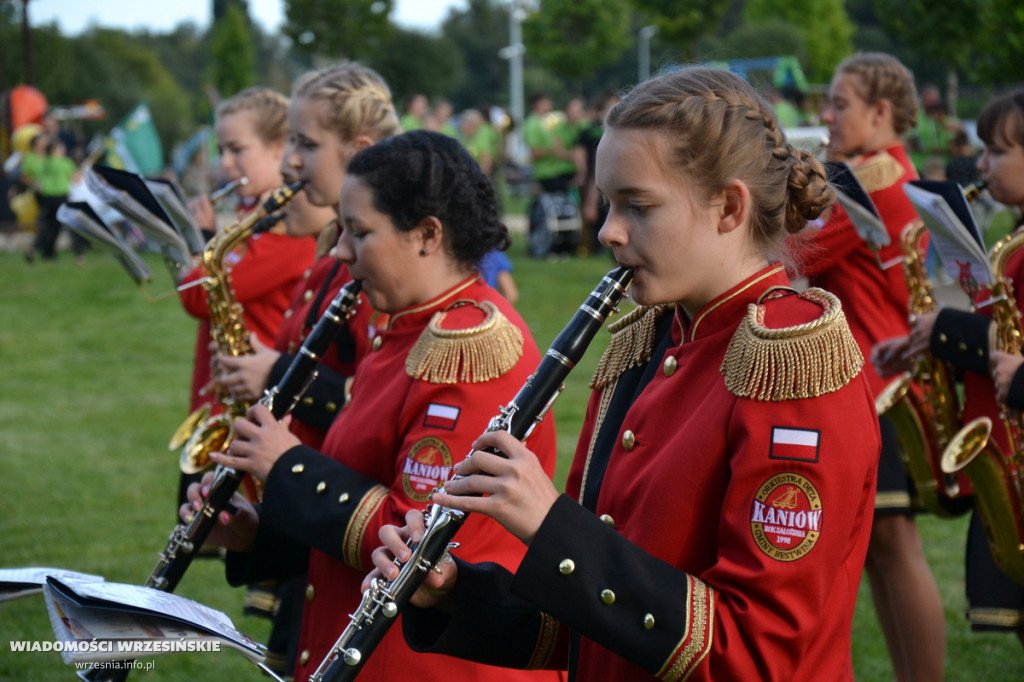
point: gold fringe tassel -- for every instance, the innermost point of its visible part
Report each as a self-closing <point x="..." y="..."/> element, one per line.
<point x="480" y="353"/>
<point x="631" y="345"/>
<point x="797" y="362"/>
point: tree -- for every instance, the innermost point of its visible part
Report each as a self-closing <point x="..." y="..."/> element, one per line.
<point x="999" y="44"/>
<point x="683" y="23"/>
<point x="826" y="29"/>
<point x="943" y="32"/>
<point x="770" y="39"/>
<point x="337" y="28"/>
<point x="413" y="61"/>
<point x="220" y="8"/>
<point x="231" y="53"/>
<point x="478" y="34"/>
<point x="572" y="37"/>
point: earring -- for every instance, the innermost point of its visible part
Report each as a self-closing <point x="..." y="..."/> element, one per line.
<point x="423" y="252"/>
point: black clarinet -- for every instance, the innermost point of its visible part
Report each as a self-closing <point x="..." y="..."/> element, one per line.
<point x="383" y="602"/>
<point x="186" y="540"/>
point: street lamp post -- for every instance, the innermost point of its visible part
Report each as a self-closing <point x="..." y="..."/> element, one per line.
<point x="514" y="54"/>
<point x="644" y="51"/>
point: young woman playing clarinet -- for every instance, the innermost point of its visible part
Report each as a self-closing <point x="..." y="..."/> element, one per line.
<point x="717" y="513"/>
<point x="416" y="214"/>
<point x="334" y="112"/>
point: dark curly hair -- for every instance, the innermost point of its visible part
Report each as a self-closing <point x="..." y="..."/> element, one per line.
<point x="423" y="173"/>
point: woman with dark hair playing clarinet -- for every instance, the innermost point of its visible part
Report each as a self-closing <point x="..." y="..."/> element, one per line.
<point x="718" y="509"/>
<point x="416" y="215"/>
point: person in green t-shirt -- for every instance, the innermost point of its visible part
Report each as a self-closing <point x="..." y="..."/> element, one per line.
<point x="936" y="128"/>
<point x="477" y="139"/>
<point x="52" y="179"/>
<point x="553" y="167"/>
<point x="415" y="111"/>
<point x="442" y="118"/>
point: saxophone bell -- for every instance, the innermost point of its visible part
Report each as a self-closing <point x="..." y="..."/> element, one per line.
<point x="923" y="404"/>
<point x="997" y="474"/>
<point x="997" y="482"/>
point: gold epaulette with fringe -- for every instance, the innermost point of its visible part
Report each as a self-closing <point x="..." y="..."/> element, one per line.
<point x="879" y="172"/>
<point x="480" y="353"/>
<point x="803" y="361"/>
<point x="631" y="345"/>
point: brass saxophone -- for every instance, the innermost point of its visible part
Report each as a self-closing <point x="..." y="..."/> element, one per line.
<point x="385" y="599"/>
<point x="200" y="434"/>
<point x="925" y="419"/>
<point x="996" y="475"/>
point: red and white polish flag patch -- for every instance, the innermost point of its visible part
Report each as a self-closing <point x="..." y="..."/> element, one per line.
<point x="442" y="416"/>
<point x="801" y="445"/>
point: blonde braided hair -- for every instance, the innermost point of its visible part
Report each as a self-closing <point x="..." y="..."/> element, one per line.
<point x="717" y="129"/>
<point x="358" y="100"/>
<point x="269" y="109"/>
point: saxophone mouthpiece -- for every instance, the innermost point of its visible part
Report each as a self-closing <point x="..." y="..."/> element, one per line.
<point x="228" y="189"/>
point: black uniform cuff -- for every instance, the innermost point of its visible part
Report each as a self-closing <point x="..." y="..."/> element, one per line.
<point x="322" y="400"/>
<point x="962" y="339"/>
<point x="1015" y="396"/>
<point x="585" y="574"/>
<point x="310" y="497"/>
<point x="273" y="556"/>
<point x="488" y="625"/>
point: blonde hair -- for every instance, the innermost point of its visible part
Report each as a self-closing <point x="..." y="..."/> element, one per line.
<point x="269" y="109"/>
<point x="717" y="129"/>
<point x="882" y="76"/>
<point x="358" y="100"/>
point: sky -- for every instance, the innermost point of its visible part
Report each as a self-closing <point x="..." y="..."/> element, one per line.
<point x="74" y="16"/>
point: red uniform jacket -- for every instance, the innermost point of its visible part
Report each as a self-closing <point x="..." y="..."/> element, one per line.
<point x="837" y="259"/>
<point x="264" y="270"/>
<point x="394" y="442"/>
<point x="718" y="537"/>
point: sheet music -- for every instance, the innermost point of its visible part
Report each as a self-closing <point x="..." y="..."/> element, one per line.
<point x="21" y="582"/>
<point x="172" y="201"/>
<point x="80" y="217"/>
<point x="126" y="613"/>
<point x="137" y="203"/>
<point x="962" y="256"/>
<point x="858" y="204"/>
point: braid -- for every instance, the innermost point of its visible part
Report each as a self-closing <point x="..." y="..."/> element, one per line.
<point x="717" y="129"/>
<point x="357" y="98"/>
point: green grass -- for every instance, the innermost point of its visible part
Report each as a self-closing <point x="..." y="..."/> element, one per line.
<point x="95" y="379"/>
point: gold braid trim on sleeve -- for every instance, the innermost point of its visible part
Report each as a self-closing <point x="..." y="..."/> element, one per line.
<point x="547" y="637"/>
<point x="631" y="345"/>
<point x="803" y="361"/>
<point x="473" y="355"/>
<point x="352" y="542"/>
<point x="696" y="642"/>
<point x="879" y="172"/>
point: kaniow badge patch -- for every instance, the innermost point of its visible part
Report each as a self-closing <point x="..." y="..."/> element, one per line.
<point x="785" y="517"/>
<point x="428" y="465"/>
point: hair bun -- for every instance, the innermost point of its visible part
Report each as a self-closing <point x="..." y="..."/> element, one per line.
<point x="810" y="194"/>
